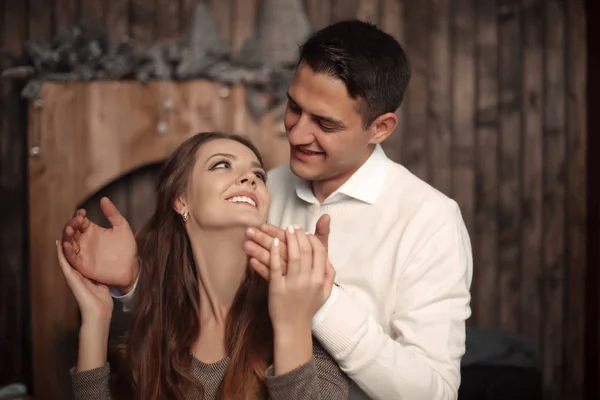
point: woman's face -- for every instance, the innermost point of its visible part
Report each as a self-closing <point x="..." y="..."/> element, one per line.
<point x="226" y="187"/>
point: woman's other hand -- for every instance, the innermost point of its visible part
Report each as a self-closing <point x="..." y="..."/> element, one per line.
<point x="94" y="299"/>
<point x="96" y="305"/>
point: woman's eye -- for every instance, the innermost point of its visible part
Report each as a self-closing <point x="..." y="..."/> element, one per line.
<point x="261" y="176"/>
<point x="221" y="164"/>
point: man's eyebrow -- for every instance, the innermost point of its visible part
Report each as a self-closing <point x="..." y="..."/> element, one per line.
<point x="330" y="120"/>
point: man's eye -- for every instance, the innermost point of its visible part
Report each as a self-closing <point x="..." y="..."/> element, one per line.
<point x="294" y="108"/>
<point x="326" y="128"/>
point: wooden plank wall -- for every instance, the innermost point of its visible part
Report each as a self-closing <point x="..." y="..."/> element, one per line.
<point x="592" y="302"/>
<point x="14" y="301"/>
<point x="495" y="117"/>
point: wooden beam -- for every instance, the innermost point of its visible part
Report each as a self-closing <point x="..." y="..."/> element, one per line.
<point x="555" y="198"/>
<point x="577" y="213"/>
<point x="485" y="238"/>
<point x="14" y="316"/>
<point x="533" y="162"/>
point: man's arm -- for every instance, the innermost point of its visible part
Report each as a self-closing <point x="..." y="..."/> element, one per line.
<point x="428" y="323"/>
<point x="126" y="299"/>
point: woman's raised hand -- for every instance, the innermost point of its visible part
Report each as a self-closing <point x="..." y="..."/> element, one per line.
<point x="297" y="293"/>
<point x="96" y="305"/>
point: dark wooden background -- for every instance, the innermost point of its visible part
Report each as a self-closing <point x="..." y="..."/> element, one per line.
<point x="495" y="117"/>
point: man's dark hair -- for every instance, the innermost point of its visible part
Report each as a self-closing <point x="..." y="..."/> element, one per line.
<point x="371" y="63"/>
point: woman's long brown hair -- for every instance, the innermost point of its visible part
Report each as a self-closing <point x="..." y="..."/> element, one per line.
<point x="154" y="360"/>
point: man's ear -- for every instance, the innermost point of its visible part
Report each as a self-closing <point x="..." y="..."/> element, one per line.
<point x="383" y="127"/>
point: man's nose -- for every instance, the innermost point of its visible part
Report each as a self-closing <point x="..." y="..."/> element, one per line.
<point x="301" y="133"/>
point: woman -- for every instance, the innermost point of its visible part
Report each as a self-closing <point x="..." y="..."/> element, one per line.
<point x="205" y="325"/>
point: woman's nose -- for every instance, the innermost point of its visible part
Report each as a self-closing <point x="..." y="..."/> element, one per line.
<point x="248" y="178"/>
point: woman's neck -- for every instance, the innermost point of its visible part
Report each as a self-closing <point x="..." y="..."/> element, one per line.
<point x="222" y="265"/>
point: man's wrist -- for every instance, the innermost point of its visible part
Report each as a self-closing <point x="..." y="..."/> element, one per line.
<point x="124" y="290"/>
<point x="320" y="314"/>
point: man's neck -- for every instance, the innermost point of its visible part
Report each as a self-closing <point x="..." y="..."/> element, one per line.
<point x="323" y="189"/>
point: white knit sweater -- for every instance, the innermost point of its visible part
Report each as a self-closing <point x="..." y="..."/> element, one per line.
<point x="403" y="260"/>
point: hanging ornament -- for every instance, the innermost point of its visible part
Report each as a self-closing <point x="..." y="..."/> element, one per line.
<point x="282" y="25"/>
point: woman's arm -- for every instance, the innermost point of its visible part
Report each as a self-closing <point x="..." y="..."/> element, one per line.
<point x="320" y="378"/>
<point x="292" y="348"/>
<point x="92" y="384"/>
<point x="93" y="346"/>
<point x="300" y="369"/>
<point x="295" y="296"/>
<point x="91" y="374"/>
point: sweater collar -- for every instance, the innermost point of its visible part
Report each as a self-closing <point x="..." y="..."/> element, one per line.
<point x="364" y="185"/>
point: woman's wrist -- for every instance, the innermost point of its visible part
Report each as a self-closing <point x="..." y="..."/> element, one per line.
<point x="93" y="346"/>
<point x="292" y="329"/>
<point x="97" y="328"/>
<point x="292" y="347"/>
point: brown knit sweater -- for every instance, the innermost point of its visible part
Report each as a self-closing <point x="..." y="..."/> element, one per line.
<point x="320" y="378"/>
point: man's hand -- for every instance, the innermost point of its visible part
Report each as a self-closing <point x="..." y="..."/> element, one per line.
<point x="259" y="242"/>
<point x="106" y="256"/>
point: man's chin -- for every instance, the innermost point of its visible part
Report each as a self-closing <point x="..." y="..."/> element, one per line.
<point x="306" y="171"/>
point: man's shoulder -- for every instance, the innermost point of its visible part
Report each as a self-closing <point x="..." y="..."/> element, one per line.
<point x="412" y="196"/>
<point x="407" y="185"/>
<point x="423" y="209"/>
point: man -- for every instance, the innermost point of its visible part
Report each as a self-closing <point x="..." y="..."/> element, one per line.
<point x="396" y="322"/>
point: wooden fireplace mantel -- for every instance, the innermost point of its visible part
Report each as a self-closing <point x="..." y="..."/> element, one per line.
<point x="82" y="136"/>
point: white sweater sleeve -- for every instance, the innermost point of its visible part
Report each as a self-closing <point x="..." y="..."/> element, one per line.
<point x="421" y="359"/>
<point x="125" y="299"/>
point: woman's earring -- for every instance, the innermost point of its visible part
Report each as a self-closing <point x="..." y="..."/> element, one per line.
<point x="185" y="216"/>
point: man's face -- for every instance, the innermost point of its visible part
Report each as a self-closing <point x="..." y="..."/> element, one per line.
<point x="327" y="138"/>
